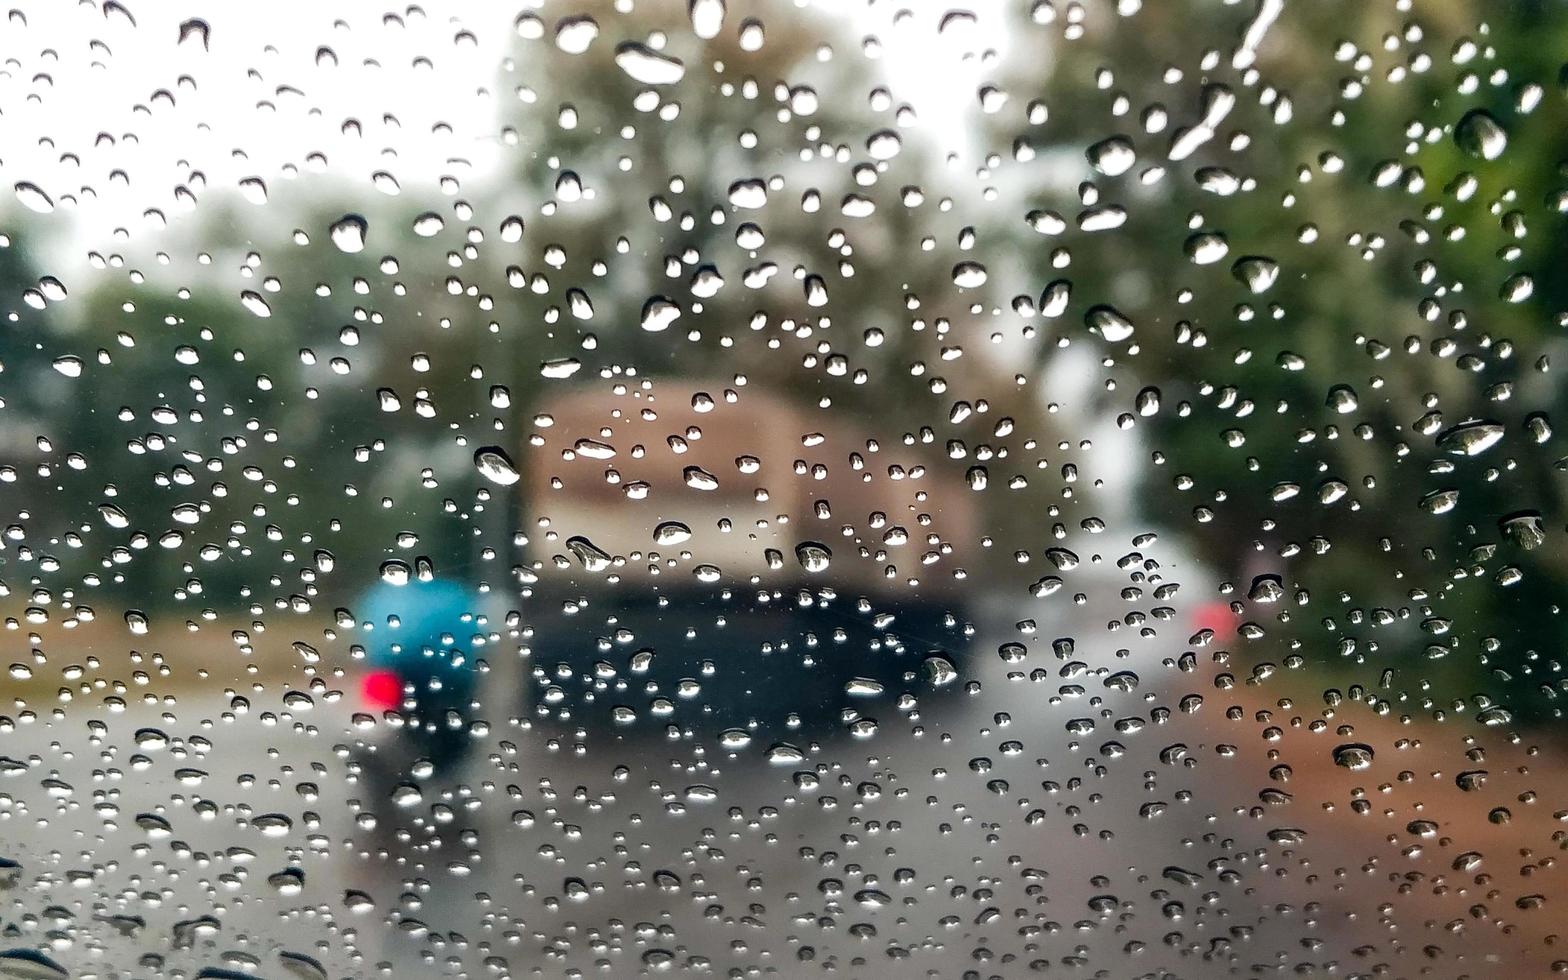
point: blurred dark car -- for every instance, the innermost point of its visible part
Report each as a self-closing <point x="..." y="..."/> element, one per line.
<point x="701" y="562"/>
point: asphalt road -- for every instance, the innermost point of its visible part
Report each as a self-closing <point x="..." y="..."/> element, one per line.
<point x="1052" y="821"/>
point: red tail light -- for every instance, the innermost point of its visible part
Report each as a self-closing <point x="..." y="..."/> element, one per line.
<point x="382" y="689"/>
<point x="1217" y="616"/>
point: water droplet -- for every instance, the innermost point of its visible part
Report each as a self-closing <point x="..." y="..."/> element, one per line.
<point x="1494" y="716"/>
<point x="1342" y="399"/>
<point x="863" y="727"/>
<point x="1206" y="247"/>
<point x="496" y="466"/>
<point x="1048" y="585"/>
<point x="1354" y="756"/>
<point x="348" y="233"/>
<point x="959" y="24"/>
<point x="1109" y="323"/>
<point x="658" y="960"/>
<point x="750" y="193"/>
<point x="648" y="66"/>
<point x="33" y="198"/>
<point x="1112" y="156"/>
<point x="670" y="533"/>
<point x="1440" y="501"/>
<point x="939" y="670"/>
<point x="706" y="282"/>
<point x="813" y="557"/>
<point x="1046" y="222"/>
<point x="1217" y="180"/>
<point x="1525" y="529"/>
<point x="871" y="898"/>
<point x="188" y="931"/>
<point x="154" y="826"/>
<point x="28" y="964"/>
<point x="969" y="275"/>
<point x="288" y="882"/>
<point x="1266" y="589"/>
<point x="1481" y="135"/>
<point x="197" y="29"/>
<point x="301" y="965"/>
<point x="574" y="35"/>
<point x="428" y="224"/>
<point x="1256" y="272"/>
<point x="150" y="739"/>
<point x="884" y="144"/>
<point x="594" y="449"/>
<point x="589" y="555"/>
<point x="125" y="925"/>
<point x="560" y="368"/>
<point x="1516" y="288"/>
<point x="1054" y="299"/>
<point x="1471" y="780"/>
<point x="51" y="289"/>
<point x="406" y="795"/>
<point x="358" y="902"/>
<point x="254" y="190"/>
<point x="1106" y="217"/>
<point x="1470" y="438"/>
<point x="699" y="479"/>
<point x="785" y="754"/>
<point x="707" y="17"/>
<point x="254" y="302"/>
<point x="658" y="313"/>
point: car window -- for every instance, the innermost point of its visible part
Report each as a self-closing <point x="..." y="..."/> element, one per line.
<point x="783" y="488"/>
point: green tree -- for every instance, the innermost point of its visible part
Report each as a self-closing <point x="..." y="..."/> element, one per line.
<point x="1306" y="427"/>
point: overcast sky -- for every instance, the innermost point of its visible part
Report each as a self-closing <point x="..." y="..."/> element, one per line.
<point x="252" y="99"/>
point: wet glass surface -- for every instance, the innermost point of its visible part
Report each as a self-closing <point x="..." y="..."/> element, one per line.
<point x="785" y="489"/>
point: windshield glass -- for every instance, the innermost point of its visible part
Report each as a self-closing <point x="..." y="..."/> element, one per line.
<point x="783" y="488"/>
